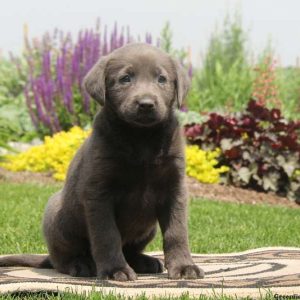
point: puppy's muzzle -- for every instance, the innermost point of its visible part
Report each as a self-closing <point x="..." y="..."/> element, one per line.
<point x="146" y="105"/>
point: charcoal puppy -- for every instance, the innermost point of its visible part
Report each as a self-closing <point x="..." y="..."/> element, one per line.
<point x="127" y="177"/>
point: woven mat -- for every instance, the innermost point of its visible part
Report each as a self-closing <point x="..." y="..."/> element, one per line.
<point x="250" y="273"/>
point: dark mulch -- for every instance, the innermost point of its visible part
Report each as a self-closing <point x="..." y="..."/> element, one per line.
<point x="26" y="177"/>
<point x="235" y="194"/>
<point x="196" y="189"/>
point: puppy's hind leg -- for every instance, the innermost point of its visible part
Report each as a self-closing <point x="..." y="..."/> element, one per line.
<point x="142" y="263"/>
<point x="74" y="265"/>
<point x="68" y="249"/>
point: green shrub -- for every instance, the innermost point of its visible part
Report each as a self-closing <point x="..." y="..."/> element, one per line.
<point x="225" y="81"/>
<point x="288" y="80"/>
<point x="11" y="83"/>
<point x="261" y="148"/>
<point x="15" y="123"/>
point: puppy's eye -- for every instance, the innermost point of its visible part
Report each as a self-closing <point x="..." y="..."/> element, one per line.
<point x="162" y="79"/>
<point x="125" y="79"/>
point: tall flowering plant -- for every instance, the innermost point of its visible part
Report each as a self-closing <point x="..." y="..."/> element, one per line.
<point x="265" y="89"/>
<point x="57" y="64"/>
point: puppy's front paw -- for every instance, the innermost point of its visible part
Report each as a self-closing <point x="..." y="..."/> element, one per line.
<point x="186" y="272"/>
<point x="142" y="263"/>
<point x="118" y="274"/>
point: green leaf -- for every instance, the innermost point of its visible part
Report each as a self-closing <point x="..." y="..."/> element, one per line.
<point x="228" y="143"/>
<point x="219" y="69"/>
<point x="289" y="164"/>
<point x="244" y="174"/>
<point x="270" y="181"/>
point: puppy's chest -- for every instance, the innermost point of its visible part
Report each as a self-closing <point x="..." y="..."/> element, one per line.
<point x="140" y="189"/>
<point x="137" y="194"/>
<point x="136" y="211"/>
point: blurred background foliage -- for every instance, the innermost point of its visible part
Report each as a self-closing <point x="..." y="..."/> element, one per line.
<point x="40" y="90"/>
<point x="41" y="95"/>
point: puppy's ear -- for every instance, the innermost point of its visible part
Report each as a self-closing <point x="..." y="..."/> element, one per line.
<point x="182" y="83"/>
<point x="94" y="81"/>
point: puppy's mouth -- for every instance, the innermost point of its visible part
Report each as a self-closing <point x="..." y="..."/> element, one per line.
<point x="143" y="113"/>
<point x="146" y="119"/>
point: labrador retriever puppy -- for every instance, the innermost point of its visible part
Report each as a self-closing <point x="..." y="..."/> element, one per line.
<point x="128" y="175"/>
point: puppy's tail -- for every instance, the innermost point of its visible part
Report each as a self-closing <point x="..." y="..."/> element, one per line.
<point x="26" y="260"/>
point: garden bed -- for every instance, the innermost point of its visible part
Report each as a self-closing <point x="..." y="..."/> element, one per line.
<point x="235" y="194"/>
<point x="196" y="189"/>
<point x="27" y="177"/>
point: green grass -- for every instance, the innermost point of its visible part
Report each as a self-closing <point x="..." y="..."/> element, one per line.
<point x="218" y="227"/>
<point x="21" y="210"/>
<point x="112" y="296"/>
<point x="214" y="227"/>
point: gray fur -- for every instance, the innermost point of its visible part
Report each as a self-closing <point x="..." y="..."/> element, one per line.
<point x="128" y="175"/>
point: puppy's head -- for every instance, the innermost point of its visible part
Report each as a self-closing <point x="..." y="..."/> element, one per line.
<point x="141" y="83"/>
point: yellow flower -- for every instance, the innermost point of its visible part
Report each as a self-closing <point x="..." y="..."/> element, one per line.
<point x="245" y="136"/>
<point x="201" y="164"/>
<point x="296" y="173"/>
<point x="54" y="155"/>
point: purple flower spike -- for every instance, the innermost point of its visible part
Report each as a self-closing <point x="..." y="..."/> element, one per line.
<point x="190" y="70"/>
<point x="56" y="66"/>
<point x="105" y="46"/>
<point x="29" y="105"/>
<point x="148" y="38"/>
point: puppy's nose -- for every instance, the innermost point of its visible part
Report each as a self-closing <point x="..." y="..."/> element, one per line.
<point x="146" y="104"/>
